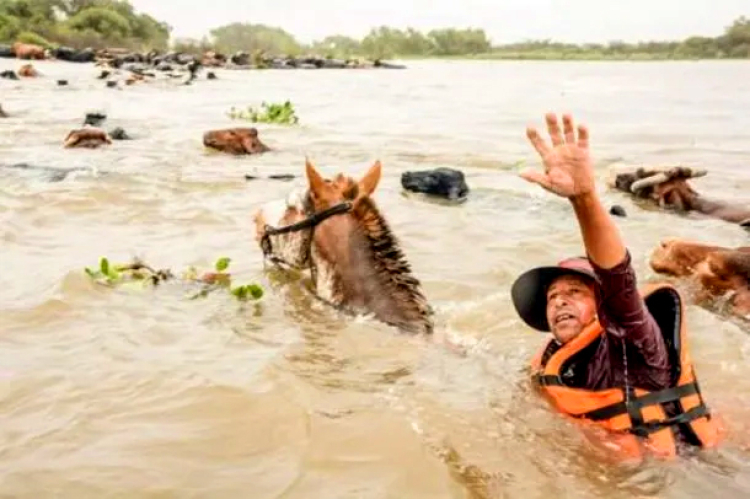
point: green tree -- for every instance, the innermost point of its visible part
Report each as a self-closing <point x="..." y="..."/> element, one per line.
<point x="192" y="46"/>
<point x="337" y="46"/>
<point x="81" y="23"/>
<point x="252" y="38"/>
<point x="736" y="39"/>
<point x="459" y="42"/>
<point x="384" y="42"/>
<point x="102" y="21"/>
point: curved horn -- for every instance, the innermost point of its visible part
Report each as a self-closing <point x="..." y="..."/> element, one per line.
<point x="685" y="172"/>
<point x="648" y="182"/>
<point x="697" y="173"/>
<point x="71" y="140"/>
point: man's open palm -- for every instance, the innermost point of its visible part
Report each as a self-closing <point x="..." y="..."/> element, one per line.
<point x="567" y="166"/>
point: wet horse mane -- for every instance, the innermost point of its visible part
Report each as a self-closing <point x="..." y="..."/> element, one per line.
<point x="391" y="263"/>
<point x="391" y="268"/>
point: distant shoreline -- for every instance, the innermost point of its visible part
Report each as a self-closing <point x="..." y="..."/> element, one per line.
<point x="91" y="25"/>
<point x="493" y="56"/>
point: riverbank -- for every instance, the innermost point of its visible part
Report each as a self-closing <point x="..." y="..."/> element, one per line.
<point x="559" y="56"/>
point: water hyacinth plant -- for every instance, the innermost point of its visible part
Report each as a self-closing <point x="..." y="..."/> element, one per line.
<point x="137" y="271"/>
<point x="280" y="114"/>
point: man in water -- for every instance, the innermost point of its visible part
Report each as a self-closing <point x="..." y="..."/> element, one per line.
<point x="567" y="298"/>
<point x="606" y="342"/>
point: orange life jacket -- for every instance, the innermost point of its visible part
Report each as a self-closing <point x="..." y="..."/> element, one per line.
<point x="636" y="418"/>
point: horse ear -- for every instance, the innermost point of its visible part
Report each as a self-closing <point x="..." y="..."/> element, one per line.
<point x="316" y="182"/>
<point x="369" y="182"/>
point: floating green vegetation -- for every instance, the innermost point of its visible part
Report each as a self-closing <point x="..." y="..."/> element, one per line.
<point x="113" y="275"/>
<point x="280" y="114"/>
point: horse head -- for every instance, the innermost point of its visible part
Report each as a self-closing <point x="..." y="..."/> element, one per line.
<point x="334" y="228"/>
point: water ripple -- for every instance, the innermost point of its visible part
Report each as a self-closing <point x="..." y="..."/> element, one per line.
<point x="135" y="392"/>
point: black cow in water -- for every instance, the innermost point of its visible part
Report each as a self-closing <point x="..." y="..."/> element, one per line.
<point x="440" y="182"/>
<point x="73" y="55"/>
<point x="7" y="52"/>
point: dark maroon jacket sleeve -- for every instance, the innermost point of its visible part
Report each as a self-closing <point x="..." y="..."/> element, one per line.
<point x="623" y="314"/>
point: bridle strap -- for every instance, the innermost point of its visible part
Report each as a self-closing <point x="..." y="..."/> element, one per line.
<point x="308" y="223"/>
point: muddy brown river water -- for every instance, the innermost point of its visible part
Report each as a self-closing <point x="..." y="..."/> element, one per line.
<point x="113" y="393"/>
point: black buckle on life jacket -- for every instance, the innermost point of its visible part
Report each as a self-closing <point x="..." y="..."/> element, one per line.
<point x="547" y="380"/>
<point x="645" y="429"/>
<point x="634" y="405"/>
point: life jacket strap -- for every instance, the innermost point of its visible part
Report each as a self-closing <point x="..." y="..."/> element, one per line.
<point x="644" y="429"/>
<point x="548" y="380"/>
<point x="634" y="405"/>
<point x="667" y="395"/>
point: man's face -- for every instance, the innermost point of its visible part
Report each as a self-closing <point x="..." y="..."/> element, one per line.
<point x="571" y="306"/>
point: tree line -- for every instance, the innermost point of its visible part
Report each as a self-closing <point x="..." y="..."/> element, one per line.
<point x="386" y="42"/>
<point x="81" y="24"/>
<point x="734" y="43"/>
<point x="115" y="23"/>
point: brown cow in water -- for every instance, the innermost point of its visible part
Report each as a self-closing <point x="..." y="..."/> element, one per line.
<point x="235" y="141"/>
<point x="27" y="71"/>
<point x="212" y="59"/>
<point x="668" y="188"/>
<point x="134" y="78"/>
<point x="718" y="271"/>
<point x="28" y="51"/>
<point x="87" y="137"/>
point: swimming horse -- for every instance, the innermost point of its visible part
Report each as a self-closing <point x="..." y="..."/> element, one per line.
<point x="334" y="229"/>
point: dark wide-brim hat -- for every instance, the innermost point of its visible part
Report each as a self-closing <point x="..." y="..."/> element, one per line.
<point x="529" y="292"/>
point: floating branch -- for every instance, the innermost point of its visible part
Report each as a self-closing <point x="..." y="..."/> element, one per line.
<point x="109" y="274"/>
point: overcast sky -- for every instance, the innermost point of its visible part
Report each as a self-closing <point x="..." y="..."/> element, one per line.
<point x="503" y="20"/>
